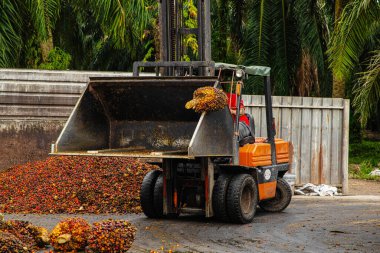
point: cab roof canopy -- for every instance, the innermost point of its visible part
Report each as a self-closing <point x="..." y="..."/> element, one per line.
<point x="250" y="70"/>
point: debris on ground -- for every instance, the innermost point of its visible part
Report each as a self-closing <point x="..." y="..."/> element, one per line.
<point x="207" y="99"/>
<point x="21" y="236"/>
<point x="317" y="190"/>
<point x="375" y="172"/>
<point x="70" y="235"/>
<point x="73" y="184"/>
<point x="111" y="236"/>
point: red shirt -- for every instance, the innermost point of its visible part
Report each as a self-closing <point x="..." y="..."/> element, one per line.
<point x="232" y="105"/>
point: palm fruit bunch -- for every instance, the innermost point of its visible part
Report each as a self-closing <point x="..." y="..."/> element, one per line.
<point x="9" y="243"/>
<point x="32" y="237"/>
<point x="111" y="236"/>
<point x="207" y="99"/>
<point x="70" y="235"/>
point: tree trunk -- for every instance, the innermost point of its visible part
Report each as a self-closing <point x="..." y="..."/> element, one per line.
<point x="46" y="46"/>
<point x="339" y="88"/>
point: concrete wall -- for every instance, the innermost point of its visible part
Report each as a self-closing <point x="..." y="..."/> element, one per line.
<point x="34" y="106"/>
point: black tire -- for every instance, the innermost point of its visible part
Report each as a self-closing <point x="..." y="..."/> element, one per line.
<point x="158" y="196"/>
<point x="281" y="200"/>
<point x="242" y="198"/>
<point x="219" y="197"/>
<point x="147" y="193"/>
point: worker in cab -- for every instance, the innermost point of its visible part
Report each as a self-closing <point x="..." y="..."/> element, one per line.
<point x="246" y="124"/>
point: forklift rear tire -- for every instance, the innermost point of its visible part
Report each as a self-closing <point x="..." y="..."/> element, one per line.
<point x="219" y="197"/>
<point x="147" y="193"/>
<point x="281" y="200"/>
<point x="242" y="198"/>
<point x="158" y="197"/>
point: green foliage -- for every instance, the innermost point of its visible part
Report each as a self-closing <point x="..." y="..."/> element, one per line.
<point x="227" y="18"/>
<point x="43" y="14"/>
<point x="124" y="21"/>
<point x="57" y="60"/>
<point x="10" y="33"/>
<point x="364" y="158"/>
<point x="356" y="134"/>
<point x="362" y="171"/>
<point x="190" y="14"/>
<point x="365" y="151"/>
<point x="291" y="38"/>
<point x="358" y="24"/>
<point x="367" y="90"/>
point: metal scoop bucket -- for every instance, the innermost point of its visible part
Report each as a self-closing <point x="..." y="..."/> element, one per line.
<point x="145" y="117"/>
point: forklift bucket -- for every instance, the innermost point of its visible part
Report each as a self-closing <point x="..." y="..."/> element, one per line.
<point x="145" y="117"/>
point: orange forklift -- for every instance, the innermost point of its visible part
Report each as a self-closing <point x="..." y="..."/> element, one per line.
<point x="205" y="167"/>
<point x="221" y="175"/>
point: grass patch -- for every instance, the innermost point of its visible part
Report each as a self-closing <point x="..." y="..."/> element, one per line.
<point x="365" y="151"/>
<point x="364" y="157"/>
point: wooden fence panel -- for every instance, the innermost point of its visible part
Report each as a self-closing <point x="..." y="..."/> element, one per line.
<point x="318" y="132"/>
<point x="296" y="136"/>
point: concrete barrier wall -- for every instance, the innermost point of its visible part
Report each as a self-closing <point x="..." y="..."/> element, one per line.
<point x="34" y="106"/>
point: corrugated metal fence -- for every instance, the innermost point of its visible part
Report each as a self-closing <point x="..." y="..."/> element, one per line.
<point x="318" y="129"/>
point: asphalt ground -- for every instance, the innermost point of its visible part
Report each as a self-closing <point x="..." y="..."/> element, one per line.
<point x="309" y="224"/>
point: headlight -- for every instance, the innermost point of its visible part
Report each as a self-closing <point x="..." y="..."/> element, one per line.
<point x="239" y="73"/>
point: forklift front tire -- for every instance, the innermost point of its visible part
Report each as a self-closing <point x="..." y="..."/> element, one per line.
<point x="147" y="193"/>
<point x="158" y="197"/>
<point x="242" y="198"/>
<point x="219" y="197"/>
<point x="281" y="200"/>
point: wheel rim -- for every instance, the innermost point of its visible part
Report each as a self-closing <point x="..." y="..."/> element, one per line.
<point x="246" y="200"/>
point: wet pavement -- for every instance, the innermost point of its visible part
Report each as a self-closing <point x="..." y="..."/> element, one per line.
<point x="309" y="224"/>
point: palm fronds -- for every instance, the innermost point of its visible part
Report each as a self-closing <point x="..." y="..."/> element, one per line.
<point x="10" y="32"/>
<point x="123" y="21"/>
<point x="43" y="14"/>
<point x="367" y="90"/>
<point x="359" y="20"/>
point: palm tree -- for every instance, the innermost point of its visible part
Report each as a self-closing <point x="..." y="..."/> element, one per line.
<point x="21" y="20"/>
<point x="115" y="25"/>
<point x="356" y="34"/>
<point x="290" y="37"/>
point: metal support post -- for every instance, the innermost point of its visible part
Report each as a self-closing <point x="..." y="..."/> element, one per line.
<point x="270" y="122"/>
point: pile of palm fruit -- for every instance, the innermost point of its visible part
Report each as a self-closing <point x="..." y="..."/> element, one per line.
<point x="73" y="184"/>
<point x="207" y="99"/>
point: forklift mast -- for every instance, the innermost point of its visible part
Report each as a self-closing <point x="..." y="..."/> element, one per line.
<point x="172" y="33"/>
<point x="173" y="30"/>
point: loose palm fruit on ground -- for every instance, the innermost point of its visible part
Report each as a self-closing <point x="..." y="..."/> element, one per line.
<point x="31" y="236"/>
<point x="11" y="244"/>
